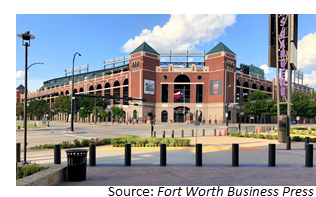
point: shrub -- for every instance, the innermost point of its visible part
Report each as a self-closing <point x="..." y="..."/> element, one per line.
<point x="297" y="132"/>
<point x="85" y="142"/>
<point x="76" y="143"/>
<point x="313" y="128"/>
<point x="252" y="135"/>
<point x="309" y="132"/>
<point x="28" y="169"/>
<point x="299" y="128"/>
<point x="107" y="140"/>
<point x="246" y="134"/>
<point x="65" y="144"/>
<point x="275" y="130"/>
<point x="295" y="138"/>
<point x="260" y="136"/>
<point x="314" y="133"/>
<point x="268" y="136"/>
<point x="302" y="133"/>
<point x="275" y="137"/>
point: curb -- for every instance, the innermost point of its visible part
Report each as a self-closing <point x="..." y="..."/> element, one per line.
<point x="181" y="148"/>
<point x="54" y="175"/>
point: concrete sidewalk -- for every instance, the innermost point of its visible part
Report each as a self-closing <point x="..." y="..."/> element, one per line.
<point x="181" y="170"/>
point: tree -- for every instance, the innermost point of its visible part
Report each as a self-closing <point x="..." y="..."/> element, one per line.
<point x="104" y="114"/>
<point x="20" y="110"/>
<point x="83" y="113"/>
<point x="117" y="111"/>
<point x="259" y="108"/>
<point x="62" y="104"/>
<point x="38" y="108"/>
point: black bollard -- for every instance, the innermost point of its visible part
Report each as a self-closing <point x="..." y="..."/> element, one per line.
<point x="271" y="159"/>
<point x="182" y="133"/>
<point x="57" y="154"/>
<point x="288" y="143"/>
<point x="163" y="134"/>
<point x="203" y="132"/>
<point x="198" y="155"/>
<point x="309" y="155"/>
<point x="154" y="134"/>
<point x="172" y="134"/>
<point x="92" y="155"/>
<point x="128" y="155"/>
<point x="163" y="155"/>
<point x="192" y="132"/>
<point x="214" y="132"/>
<point x="18" y="152"/>
<point x="235" y="155"/>
<point x="306" y="141"/>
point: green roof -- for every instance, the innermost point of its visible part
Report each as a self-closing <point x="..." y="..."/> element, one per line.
<point x="21" y="87"/>
<point x="220" y="47"/>
<point x="144" y="47"/>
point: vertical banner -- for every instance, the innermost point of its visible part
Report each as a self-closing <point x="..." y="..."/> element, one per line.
<point x="216" y="87"/>
<point x="149" y="86"/>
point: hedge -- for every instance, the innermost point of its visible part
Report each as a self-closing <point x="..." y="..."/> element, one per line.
<point x="134" y="140"/>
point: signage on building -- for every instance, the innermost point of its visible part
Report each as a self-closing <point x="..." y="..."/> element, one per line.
<point x="149" y="86"/>
<point x="256" y="72"/>
<point x="283" y="48"/>
<point x="216" y="87"/>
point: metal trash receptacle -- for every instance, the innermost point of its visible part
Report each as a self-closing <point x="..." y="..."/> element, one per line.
<point x="77" y="164"/>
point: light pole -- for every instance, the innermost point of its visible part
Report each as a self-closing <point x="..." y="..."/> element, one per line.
<point x="227" y="105"/>
<point x="26" y="41"/>
<point x="72" y="92"/>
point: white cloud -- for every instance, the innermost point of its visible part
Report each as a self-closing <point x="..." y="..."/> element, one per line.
<point x="306" y="54"/>
<point x="183" y="32"/>
<point x="310" y="79"/>
<point x="266" y="69"/>
<point x="20" y="74"/>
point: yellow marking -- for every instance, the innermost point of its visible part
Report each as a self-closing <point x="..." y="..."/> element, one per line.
<point x="181" y="148"/>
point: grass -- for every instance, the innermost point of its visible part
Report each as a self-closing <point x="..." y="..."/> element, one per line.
<point x="29" y="126"/>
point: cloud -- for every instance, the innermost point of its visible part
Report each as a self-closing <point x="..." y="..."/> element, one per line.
<point x="310" y="79"/>
<point x="266" y="69"/>
<point x="183" y="32"/>
<point x="20" y="74"/>
<point x="306" y="58"/>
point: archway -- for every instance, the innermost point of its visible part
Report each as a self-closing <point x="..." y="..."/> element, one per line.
<point x="116" y="92"/>
<point x="262" y="88"/>
<point x="237" y="91"/>
<point x="67" y="92"/>
<point x="182" y="87"/>
<point x="61" y="93"/>
<point x="164" y="116"/>
<point x="99" y="91"/>
<point x="91" y="88"/>
<point x="125" y="89"/>
<point x="75" y="91"/>
<point x="178" y="115"/>
<point x="81" y="90"/>
<point x="107" y="92"/>
<point x="135" y="115"/>
<point x="254" y="86"/>
<point x="245" y="92"/>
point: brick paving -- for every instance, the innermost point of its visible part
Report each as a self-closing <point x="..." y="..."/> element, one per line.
<point x="190" y="175"/>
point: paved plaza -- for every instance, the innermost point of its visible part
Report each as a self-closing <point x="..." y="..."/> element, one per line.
<point x="181" y="170"/>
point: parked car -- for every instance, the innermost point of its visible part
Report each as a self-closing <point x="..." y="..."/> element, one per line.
<point x="293" y="122"/>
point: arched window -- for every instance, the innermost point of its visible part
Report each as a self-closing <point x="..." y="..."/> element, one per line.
<point x="116" y="92"/>
<point x="262" y="88"/>
<point x="245" y="91"/>
<point x="164" y="116"/>
<point x="125" y="89"/>
<point x="254" y="86"/>
<point x="75" y="91"/>
<point x="185" y="88"/>
<point x="67" y="92"/>
<point x="107" y="92"/>
<point x="99" y="91"/>
<point x="61" y="93"/>
<point x="81" y="90"/>
<point x="137" y="65"/>
<point x="237" y="91"/>
<point x="91" y="88"/>
<point x="133" y="66"/>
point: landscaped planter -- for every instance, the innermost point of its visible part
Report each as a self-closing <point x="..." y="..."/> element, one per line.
<point x="54" y="175"/>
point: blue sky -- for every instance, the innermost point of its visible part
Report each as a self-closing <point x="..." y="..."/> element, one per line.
<point x="99" y="37"/>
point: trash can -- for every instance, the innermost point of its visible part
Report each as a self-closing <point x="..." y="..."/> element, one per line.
<point x="77" y="164"/>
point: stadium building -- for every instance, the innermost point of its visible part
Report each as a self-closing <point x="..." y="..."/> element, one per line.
<point x="208" y="84"/>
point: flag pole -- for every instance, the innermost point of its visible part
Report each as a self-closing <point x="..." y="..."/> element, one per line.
<point x="184" y="103"/>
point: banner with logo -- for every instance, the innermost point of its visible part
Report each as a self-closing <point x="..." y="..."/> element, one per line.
<point x="149" y="86"/>
<point x="216" y="87"/>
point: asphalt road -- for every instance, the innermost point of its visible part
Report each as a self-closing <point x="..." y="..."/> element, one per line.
<point x="59" y="131"/>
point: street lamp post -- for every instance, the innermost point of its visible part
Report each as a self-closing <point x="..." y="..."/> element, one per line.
<point x="72" y="92"/>
<point x="26" y="41"/>
<point x="227" y="105"/>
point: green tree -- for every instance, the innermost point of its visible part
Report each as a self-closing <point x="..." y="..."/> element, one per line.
<point x="38" y="108"/>
<point x="117" y="111"/>
<point x="62" y="104"/>
<point x="104" y="114"/>
<point x="20" y="109"/>
<point x="259" y="108"/>
<point x="301" y="104"/>
<point x="83" y="113"/>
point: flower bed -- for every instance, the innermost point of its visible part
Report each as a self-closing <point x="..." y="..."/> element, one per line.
<point x="28" y="169"/>
<point x="134" y="140"/>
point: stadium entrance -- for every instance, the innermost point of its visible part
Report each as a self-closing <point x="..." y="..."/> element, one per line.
<point x="178" y="115"/>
